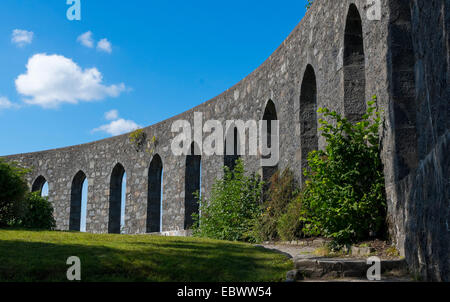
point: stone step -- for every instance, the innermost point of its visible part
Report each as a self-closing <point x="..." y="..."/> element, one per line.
<point x="313" y="268"/>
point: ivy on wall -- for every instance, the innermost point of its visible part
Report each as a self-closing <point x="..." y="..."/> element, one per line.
<point x="138" y="139"/>
<point x="309" y="3"/>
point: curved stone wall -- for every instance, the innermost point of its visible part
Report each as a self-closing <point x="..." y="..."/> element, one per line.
<point x="331" y="59"/>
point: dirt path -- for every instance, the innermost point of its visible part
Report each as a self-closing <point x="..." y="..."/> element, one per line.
<point x="292" y="251"/>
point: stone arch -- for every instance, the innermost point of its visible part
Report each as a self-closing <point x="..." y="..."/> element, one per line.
<point x="192" y="184"/>
<point x="354" y="67"/>
<point x="270" y="114"/>
<point x="75" y="201"/>
<point x="231" y="156"/>
<point x="115" y="199"/>
<point x="155" y="181"/>
<point x="38" y="184"/>
<point x="309" y="139"/>
<point x="403" y="90"/>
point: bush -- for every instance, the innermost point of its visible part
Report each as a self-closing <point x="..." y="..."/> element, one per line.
<point x="344" y="194"/>
<point x="232" y="207"/>
<point x="282" y="190"/>
<point x="13" y="188"/>
<point x="289" y="226"/>
<point x="39" y="214"/>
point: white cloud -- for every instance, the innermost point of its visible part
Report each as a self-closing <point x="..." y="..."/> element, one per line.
<point x="51" y="80"/>
<point x="5" y="103"/>
<point x="118" y="127"/>
<point x="86" y="39"/>
<point x="104" y="45"/>
<point x="22" y="37"/>
<point x="112" y="115"/>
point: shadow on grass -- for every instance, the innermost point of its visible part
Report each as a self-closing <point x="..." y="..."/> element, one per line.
<point x="170" y="261"/>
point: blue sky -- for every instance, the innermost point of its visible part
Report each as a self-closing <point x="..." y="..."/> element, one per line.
<point x="156" y="59"/>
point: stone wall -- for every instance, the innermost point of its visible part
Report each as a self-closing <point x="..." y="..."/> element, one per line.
<point x="312" y="68"/>
<point x="417" y="152"/>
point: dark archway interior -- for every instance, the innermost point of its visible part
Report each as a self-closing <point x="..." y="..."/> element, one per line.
<point x="192" y="185"/>
<point x="154" y="195"/>
<point x="75" y="201"/>
<point x="38" y="184"/>
<point x="309" y="140"/>
<point x="115" y="199"/>
<point x="270" y="114"/>
<point x="354" y="67"/>
<point x="230" y="157"/>
<point x="403" y="91"/>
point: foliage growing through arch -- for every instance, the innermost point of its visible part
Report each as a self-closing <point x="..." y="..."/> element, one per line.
<point x="344" y="195"/>
<point x="230" y="211"/>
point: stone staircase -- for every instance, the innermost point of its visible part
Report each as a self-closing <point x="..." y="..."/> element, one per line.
<point x="308" y="268"/>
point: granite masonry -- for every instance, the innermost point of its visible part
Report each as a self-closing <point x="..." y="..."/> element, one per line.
<point x="339" y="56"/>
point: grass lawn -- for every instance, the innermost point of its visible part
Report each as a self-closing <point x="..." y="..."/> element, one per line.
<point x="42" y="256"/>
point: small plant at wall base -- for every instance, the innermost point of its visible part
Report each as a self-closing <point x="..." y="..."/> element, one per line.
<point x="289" y="225"/>
<point x="344" y="193"/>
<point x="281" y="192"/>
<point x="232" y="207"/>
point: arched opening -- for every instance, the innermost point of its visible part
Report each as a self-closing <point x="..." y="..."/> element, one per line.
<point x="116" y="192"/>
<point x="354" y="67"/>
<point x="403" y="90"/>
<point x="270" y="114"/>
<point x="231" y="153"/>
<point x="192" y="185"/>
<point x="309" y="140"/>
<point x="155" y="173"/>
<point x="77" y="208"/>
<point x="40" y="185"/>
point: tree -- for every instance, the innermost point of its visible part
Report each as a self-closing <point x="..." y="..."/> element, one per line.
<point x="13" y="189"/>
<point x="39" y="212"/>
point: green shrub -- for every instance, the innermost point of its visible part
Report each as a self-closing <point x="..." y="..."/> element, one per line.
<point x="232" y="207"/>
<point x="282" y="190"/>
<point x="344" y="194"/>
<point x="39" y="214"/>
<point x="13" y="188"/>
<point x="289" y="226"/>
<point x="138" y="138"/>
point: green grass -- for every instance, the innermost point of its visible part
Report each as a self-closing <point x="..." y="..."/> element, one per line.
<point x="42" y="256"/>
